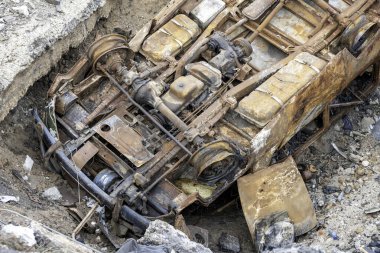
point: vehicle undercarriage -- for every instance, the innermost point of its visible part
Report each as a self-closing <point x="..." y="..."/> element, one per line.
<point x="204" y="95"/>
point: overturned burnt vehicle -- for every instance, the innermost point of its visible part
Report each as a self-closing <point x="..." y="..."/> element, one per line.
<point x="204" y="95"/>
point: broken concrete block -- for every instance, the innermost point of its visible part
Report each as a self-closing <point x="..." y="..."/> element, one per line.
<point x="22" y="237"/>
<point x="162" y="233"/>
<point x="6" y="199"/>
<point x="28" y="164"/>
<point x="52" y="194"/>
<point x="280" y="234"/>
<point x="23" y="10"/>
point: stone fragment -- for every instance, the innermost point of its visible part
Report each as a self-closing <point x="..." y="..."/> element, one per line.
<point x="340" y="196"/>
<point x="355" y="158"/>
<point x="329" y="189"/>
<point x="55" y="2"/>
<point x="333" y="234"/>
<point x="360" y="171"/>
<point x="199" y="235"/>
<point x="162" y="233"/>
<point x="24" y="236"/>
<point x="229" y="243"/>
<point x="376" y="131"/>
<point x="320" y="199"/>
<point x="347" y="124"/>
<point x="365" y="163"/>
<point x="367" y="124"/>
<point x="280" y="234"/>
<point x="31" y="4"/>
<point x="52" y="194"/>
<point x="296" y="249"/>
<point x="372" y="210"/>
<point x="323" y="144"/>
<point x="6" y="199"/>
<point x="22" y="10"/>
<point x="275" y="231"/>
<point x="347" y="189"/>
<point x="9" y="19"/>
<point x="28" y="164"/>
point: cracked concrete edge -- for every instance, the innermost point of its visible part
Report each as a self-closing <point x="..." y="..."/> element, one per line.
<point x="43" y="64"/>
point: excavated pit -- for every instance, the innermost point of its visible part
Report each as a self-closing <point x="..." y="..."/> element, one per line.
<point x="18" y="139"/>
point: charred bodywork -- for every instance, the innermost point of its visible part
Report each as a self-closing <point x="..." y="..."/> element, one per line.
<point x="203" y="94"/>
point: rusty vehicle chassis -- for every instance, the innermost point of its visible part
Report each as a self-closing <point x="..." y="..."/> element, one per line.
<point x="147" y="183"/>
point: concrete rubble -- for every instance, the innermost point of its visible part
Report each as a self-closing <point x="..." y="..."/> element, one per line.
<point x="162" y="233"/>
<point x="18" y="232"/>
<point x="52" y="194"/>
<point x="21" y="236"/>
<point x="6" y="199"/>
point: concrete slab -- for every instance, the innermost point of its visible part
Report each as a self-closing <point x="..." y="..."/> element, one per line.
<point x="34" y="34"/>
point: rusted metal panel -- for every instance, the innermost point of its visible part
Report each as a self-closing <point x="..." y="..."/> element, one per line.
<point x="85" y="154"/>
<point x="265" y="54"/>
<point x="257" y="8"/>
<point x="170" y="39"/>
<point x="262" y="104"/>
<point x="276" y="189"/>
<point x="292" y="26"/>
<point x="124" y="139"/>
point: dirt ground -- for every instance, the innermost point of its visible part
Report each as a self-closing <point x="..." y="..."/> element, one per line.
<point x="342" y="189"/>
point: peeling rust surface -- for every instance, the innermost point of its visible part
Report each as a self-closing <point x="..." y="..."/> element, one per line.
<point x="278" y="188"/>
<point x="115" y="132"/>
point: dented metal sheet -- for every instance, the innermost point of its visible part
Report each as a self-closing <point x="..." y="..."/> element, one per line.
<point x="85" y="154"/>
<point x="206" y="11"/>
<point x="293" y="26"/>
<point x="170" y="39"/>
<point x="262" y="104"/>
<point x="276" y="189"/>
<point x="125" y="139"/>
<point x="264" y="54"/>
<point x="257" y="8"/>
